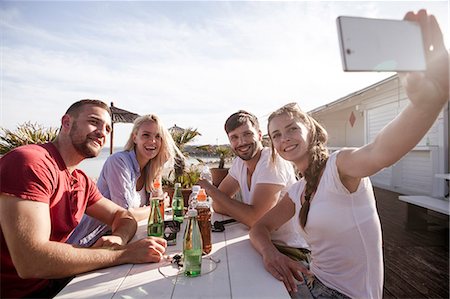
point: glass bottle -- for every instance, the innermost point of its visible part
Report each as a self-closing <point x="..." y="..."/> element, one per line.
<point x="157" y="193"/>
<point x="178" y="204"/>
<point x="205" y="174"/>
<point x="193" y="196"/>
<point x="155" y="225"/>
<point x="204" y="220"/>
<point x="192" y="246"/>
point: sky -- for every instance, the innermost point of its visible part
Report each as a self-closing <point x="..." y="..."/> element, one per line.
<point x="192" y="63"/>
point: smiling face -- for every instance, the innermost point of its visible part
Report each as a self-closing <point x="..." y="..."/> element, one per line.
<point x="290" y="139"/>
<point x="245" y="141"/>
<point x="147" y="141"/>
<point x="89" y="129"/>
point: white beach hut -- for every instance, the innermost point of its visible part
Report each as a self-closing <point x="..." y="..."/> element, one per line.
<point x="354" y="120"/>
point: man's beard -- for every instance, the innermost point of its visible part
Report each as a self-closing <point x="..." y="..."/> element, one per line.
<point x="82" y="146"/>
<point x="250" y="154"/>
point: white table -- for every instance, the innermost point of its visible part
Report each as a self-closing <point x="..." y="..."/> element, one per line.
<point x="445" y="176"/>
<point x="239" y="274"/>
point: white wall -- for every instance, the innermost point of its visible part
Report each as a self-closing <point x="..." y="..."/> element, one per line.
<point x="374" y="107"/>
<point x="415" y="172"/>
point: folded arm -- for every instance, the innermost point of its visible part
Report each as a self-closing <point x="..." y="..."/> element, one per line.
<point x="26" y="228"/>
<point x="121" y="221"/>
<point x="264" y="197"/>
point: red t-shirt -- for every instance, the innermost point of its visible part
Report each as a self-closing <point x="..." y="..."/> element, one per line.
<point x="38" y="173"/>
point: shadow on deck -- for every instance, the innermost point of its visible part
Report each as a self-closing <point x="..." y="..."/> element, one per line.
<point x="416" y="262"/>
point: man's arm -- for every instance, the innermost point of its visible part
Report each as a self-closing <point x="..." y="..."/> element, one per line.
<point x="264" y="197"/>
<point x="122" y="222"/>
<point x="26" y="228"/>
<point x="226" y="190"/>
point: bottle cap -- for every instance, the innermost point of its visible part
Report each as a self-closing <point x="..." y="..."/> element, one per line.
<point x="192" y="213"/>
<point x="156" y="184"/>
<point x="201" y="196"/>
<point x="177" y="185"/>
<point x="195" y="188"/>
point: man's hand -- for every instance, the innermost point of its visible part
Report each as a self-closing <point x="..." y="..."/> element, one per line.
<point x="109" y="241"/>
<point x="147" y="250"/>
<point x="205" y="184"/>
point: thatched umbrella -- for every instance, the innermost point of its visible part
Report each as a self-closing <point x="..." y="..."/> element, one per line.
<point x="120" y="116"/>
<point x="176" y="129"/>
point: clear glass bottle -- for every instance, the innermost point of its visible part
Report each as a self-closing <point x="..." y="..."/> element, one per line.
<point x="205" y="174"/>
<point x="155" y="225"/>
<point x="178" y="204"/>
<point x="204" y="220"/>
<point x="193" y="196"/>
<point x="192" y="246"/>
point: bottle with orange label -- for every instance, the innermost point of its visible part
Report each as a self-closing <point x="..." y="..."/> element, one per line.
<point x="157" y="194"/>
<point x="204" y="220"/>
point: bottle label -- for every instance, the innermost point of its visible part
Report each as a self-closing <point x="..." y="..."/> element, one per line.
<point x="204" y="223"/>
<point x="178" y="215"/>
<point x="155" y="230"/>
<point x="155" y="225"/>
<point x="178" y="209"/>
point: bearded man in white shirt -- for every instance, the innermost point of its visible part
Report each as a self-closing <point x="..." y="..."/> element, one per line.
<point x="261" y="180"/>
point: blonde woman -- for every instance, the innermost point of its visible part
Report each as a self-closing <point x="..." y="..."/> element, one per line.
<point x="334" y="201"/>
<point x="127" y="176"/>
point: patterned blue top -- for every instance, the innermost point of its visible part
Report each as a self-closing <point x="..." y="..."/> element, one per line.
<point x="117" y="182"/>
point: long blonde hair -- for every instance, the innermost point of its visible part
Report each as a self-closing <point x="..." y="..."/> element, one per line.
<point x="317" y="151"/>
<point x="166" y="153"/>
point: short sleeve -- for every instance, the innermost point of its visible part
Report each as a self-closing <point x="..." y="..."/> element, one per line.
<point x="279" y="172"/>
<point x="27" y="174"/>
<point x="94" y="194"/>
<point x="234" y="170"/>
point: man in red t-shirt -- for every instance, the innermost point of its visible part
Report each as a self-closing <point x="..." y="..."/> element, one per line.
<point x="43" y="197"/>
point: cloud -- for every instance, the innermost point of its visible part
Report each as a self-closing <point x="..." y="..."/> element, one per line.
<point x="191" y="63"/>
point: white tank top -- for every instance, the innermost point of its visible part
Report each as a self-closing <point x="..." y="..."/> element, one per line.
<point x="344" y="234"/>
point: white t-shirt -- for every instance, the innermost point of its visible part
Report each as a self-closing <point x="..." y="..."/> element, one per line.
<point x="344" y="233"/>
<point x="280" y="172"/>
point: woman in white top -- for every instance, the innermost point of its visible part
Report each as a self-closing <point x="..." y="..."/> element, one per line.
<point x="127" y="176"/>
<point x="334" y="200"/>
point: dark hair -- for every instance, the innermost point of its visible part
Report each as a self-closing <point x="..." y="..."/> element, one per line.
<point x="317" y="151"/>
<point x="238" y="119"/>
<point x="74" y="109"/>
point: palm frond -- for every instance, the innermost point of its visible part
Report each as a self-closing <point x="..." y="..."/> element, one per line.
<point x="26" y="133"/>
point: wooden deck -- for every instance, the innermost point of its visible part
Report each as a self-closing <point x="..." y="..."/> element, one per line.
<point x="416" y="261"/>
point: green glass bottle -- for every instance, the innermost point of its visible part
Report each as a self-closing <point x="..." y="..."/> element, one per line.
<point x="155" y="225"/>
<point x="192" y="246"/>
<point x="178" y="204"/>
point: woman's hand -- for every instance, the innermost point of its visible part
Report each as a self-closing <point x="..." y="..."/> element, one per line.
<point x="429" y="88"/>
<point x="284" y="269"/>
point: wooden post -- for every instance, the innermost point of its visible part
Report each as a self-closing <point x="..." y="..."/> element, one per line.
<point x="111" y="145"/>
